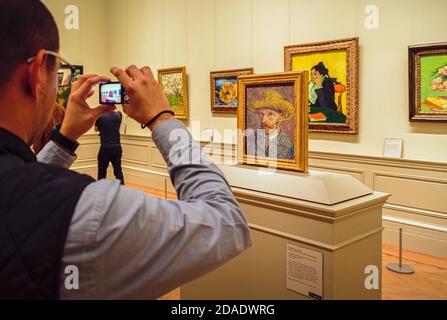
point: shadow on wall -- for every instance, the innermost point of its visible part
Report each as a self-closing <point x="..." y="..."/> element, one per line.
<point x="428" y="128"/>
<point x="348" y="138"/>
<point x="224" y="115"/>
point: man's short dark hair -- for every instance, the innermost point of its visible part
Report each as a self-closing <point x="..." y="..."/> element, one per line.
<point x="26" y="26"/>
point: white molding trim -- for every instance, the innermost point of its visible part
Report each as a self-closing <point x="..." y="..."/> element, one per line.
<point x="374" y="160"/>
<point x="74" y="168"/>
<point x="124" y="160"/>
<point x="425" y="225"/>
<point x="86" y="160"/>
<point x="148" y="171"/>
<point x="414" y="223"/>
<point x="409" y="177"/>
<point x="423" y="212"/>
<point x="313" y="243"/>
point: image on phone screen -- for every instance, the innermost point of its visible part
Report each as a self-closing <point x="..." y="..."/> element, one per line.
<point x="111" y="93"/>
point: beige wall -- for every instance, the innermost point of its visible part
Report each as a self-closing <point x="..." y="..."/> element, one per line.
<point x="86" y="46"/>
<point x="210" y="35"/>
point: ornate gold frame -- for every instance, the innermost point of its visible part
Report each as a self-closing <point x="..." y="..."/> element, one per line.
<point x="181" y="70"/>
<point x="300" y="81"/>
<point x="351" y="46"/>
<point x="414" y="59"/>
<point x="225" y="74"/>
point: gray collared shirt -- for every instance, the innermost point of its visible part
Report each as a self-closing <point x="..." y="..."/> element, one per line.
<point x="129" y="245"/>
<point x="280" y="147"/>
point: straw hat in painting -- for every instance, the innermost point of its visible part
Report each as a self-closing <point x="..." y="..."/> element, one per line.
<point x="272" y="99"/>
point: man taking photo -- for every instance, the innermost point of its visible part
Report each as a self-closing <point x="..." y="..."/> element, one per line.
<point x="126" y="244"/>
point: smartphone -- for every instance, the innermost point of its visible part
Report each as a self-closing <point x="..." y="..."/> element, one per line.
<point x="112" y="93"/>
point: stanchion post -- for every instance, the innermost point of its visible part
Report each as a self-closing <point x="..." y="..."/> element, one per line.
<point x="399" y="267"/>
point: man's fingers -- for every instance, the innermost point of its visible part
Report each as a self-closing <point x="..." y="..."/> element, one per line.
<point x="81" y="79"/>
<point x="84" y="89"/>
<point x="134" y="72"/>
<point x="102" y="109"/>
<point x="84" y="77"/>
<point x="147" y="72"/>
<point x="122" y="77"/>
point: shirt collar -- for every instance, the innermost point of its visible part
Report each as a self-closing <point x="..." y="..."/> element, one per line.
<point x="273" y="134"/>
<point x="10" y="144"/>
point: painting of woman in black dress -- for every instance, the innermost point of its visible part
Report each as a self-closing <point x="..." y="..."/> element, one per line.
<point x="323" y="107"/>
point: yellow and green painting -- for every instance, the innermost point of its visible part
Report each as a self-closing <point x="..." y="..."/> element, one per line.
<point x="226" y="92"/>
<point x="173" y="88"/>
<point x="327" y="86"/>
<point x="434" y="83"/>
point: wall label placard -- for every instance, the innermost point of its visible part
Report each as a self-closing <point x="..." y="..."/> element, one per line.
<point x="305" y="271"/>
<point x="392" y="148"/>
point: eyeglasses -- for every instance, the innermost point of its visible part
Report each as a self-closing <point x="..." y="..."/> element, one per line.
<point x="66" y="72"/>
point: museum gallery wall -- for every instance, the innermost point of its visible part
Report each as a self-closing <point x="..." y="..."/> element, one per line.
<point x="208" y="36"/>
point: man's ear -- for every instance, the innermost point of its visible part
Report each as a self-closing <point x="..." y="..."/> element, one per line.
<point x="36" y="72"/>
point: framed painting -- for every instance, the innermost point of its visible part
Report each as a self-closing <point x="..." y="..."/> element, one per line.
<point x="334" y="81"/>
<point x="174" y="84"/>
<point x="63" y="93"/>
<point x="223" y="89"/>
<point x="428" y="82"/>
<point x="272" y="120"/>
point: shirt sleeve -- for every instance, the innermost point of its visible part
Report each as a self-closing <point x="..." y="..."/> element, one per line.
<point x="129" y="245"/>
<point x="54" y="155"/>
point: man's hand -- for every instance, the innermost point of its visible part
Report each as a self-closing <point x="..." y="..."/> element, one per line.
<point x="319" y="81"/>
<point x="79" y="117"/>
<point x="145" y="95"/>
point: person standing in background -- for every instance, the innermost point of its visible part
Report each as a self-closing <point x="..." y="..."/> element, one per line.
<point x="57" y="118"/>
<point x="108" y="126"/>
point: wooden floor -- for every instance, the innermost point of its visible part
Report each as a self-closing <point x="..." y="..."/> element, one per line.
<point x="428" y="282"/>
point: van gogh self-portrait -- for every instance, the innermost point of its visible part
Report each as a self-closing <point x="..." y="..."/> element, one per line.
<point x="272" y="119"/>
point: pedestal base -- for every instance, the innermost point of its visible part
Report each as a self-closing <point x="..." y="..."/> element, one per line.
<point x="330" y="215"/>
<point x="396" y="267"/>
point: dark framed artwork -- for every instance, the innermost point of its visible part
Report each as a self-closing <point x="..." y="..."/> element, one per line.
<point x="63" y="93"/>
<point x="428" y="82"/>
<point x="272" y="120"/>
<point x="223" y="89"/>
<point x="334" y="81"/>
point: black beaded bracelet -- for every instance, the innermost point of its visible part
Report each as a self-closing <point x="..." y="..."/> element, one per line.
<point x="150" y="122"/>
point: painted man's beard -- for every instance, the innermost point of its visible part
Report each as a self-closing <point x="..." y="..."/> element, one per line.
<point x="271" y="131"/>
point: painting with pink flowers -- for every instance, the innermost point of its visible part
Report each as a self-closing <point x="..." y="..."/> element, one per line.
<point x="428" y="83"/>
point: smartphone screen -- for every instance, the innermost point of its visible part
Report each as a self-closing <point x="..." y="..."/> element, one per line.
<point x="111" y="93"/>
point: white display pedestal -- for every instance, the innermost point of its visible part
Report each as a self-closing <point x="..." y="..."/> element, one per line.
<point x="327" y="213"/>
